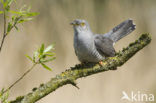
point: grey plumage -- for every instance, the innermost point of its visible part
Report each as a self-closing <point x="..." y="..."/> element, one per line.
<point x="91" y="47"/>
<point x="104" y="46"/>
<point x="121" y="30"/>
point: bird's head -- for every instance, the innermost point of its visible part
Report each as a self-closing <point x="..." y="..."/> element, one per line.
<point x="80" y="25"/>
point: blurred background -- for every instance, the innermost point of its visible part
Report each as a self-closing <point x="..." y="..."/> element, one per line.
<point x="52" y="26"/>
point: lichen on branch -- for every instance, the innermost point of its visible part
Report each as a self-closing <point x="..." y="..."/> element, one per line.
<point x="82" y="70"/>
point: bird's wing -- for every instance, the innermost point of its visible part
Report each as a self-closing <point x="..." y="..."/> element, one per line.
<point x="104" y="45"/>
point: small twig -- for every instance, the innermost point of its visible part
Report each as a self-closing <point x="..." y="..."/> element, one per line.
<point x="4" y="33"/>
<point x="2" y="42"/>
<point x="73" y="82"/>
<point x="20" y="77"/>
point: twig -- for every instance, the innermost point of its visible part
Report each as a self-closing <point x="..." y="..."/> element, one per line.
<point x="4" y="33"/>
<point x="80" y="71"/>
<point x="20" y="78"/>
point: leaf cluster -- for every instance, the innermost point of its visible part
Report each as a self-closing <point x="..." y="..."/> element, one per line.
<point x="43" y="55"/>
<point x="18" y="17"/>
<point x="4" y="96"/>
<point x="11" y="20"/>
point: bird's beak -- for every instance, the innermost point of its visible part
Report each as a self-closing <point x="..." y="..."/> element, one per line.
<point x="72" y="23"/>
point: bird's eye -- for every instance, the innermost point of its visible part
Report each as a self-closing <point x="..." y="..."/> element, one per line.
<point x="82" y="24"/>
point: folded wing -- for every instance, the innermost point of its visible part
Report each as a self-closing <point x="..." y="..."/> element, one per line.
<point x="104" y="45"/>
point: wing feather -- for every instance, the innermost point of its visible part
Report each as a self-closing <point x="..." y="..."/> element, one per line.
<point x="104" y="45"/>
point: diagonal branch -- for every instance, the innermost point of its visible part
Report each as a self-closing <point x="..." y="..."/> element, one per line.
<point x="20" y="78"/>
<point x="79" y="71"/>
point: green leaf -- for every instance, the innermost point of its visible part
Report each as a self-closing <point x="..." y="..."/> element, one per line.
<point x="1" y="92"/>
<point x="7" y="8"/>
<point x="41" y="49"/>
<point x="48" y="60"/>
<point x="46" y="67"/>
<point x="5" y="4"/>
<point x="50" y="47"/>
<point x="4" y="96"/>
<point x="24" y="20"/>
<point x="15" y="12"/>
<point x="1" y="12"/>
<point x="2" y="1"/>
<point x="21" y="21"/>
<point x="9" y="27"/>
<point x="10" y="2"/>
<point x="13" y="18"/>
<point x="49" y="54"/>
<point x="30" y="14"/>
<point x="35" y="56"/>
<point x="42" y="56"/>
<point x="29" y="58"/>
<point x="28" y="19"/>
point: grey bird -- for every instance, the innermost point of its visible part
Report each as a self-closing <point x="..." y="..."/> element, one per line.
<point x="90" y="47"/>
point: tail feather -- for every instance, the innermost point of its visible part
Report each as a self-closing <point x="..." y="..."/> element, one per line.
<point x="121" y="30"/>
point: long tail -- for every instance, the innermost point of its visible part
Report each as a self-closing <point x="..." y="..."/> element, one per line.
<point x="121" y="30"/>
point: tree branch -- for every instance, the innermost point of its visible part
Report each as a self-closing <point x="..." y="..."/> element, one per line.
<point x="79" y="71"/>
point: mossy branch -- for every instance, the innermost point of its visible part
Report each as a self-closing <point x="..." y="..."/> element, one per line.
<point x="79" y="71"/>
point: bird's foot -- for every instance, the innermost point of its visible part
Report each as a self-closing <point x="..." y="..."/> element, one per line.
<point x="100" y="63"/>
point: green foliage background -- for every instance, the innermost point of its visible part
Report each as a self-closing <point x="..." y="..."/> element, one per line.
<point x="52" y="25"/>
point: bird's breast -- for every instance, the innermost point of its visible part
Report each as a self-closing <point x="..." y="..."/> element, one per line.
<point x="85" y="48"/>
<point x="83" y="43"/>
